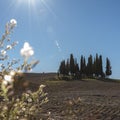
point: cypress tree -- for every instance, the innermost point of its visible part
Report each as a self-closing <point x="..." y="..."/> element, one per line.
<point x="72" y="64"/>
<point x="100" y="66"/>
<point x="67" y="66"/>
<point x="97" y="66"/>
<point x="108" y="67"/>
<point x="90" y="66"/>
<point x="76" y="68"/>
<point x="62" y="69"/>
<point x="71" y="67"/>
<point x="82" y="65"/>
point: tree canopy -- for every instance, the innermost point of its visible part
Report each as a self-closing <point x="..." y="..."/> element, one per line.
<point x="92" y="68"/>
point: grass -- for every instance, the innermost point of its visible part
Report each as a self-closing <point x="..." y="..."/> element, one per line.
<point x="54" y="82"/>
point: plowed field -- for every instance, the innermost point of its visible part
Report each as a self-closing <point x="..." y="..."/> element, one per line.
<point x="81" y="99"/>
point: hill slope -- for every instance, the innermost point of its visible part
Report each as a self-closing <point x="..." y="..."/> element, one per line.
<point x="80" y="100"/>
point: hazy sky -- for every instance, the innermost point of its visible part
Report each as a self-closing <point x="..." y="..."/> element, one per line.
<point x="56" y="28"/>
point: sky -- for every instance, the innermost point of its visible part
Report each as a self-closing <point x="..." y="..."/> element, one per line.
<point x="57" y="28"/>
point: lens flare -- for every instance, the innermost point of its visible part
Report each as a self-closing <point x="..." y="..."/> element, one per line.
<point x="26" y="1"/>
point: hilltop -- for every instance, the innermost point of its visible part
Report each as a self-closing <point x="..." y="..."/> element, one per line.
<point x="87" y="99"/>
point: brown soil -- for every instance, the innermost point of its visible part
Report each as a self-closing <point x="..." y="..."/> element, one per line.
<point x="80" y="99"/>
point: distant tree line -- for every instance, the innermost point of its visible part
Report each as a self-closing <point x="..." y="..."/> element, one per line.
<point x="92" y="68"/>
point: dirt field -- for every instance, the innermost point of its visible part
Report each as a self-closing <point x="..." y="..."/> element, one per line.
<point x="80" y="100"/>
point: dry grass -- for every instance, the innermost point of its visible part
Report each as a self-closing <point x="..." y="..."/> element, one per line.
<point x="80" y="100"/>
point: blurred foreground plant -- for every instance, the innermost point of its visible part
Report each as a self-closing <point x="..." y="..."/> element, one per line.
<point x="17" y="102"/>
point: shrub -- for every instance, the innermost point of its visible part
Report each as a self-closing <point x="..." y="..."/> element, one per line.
<point x="17" y="102"/>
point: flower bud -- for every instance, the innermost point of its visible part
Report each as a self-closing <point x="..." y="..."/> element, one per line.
<point x="27" y="50"/>
<point x="8" y="78"/>
<point x="9" y="47"/>
<point x="13" y="22"/>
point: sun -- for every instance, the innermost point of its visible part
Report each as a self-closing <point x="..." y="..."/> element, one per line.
<point x="27" y="2"/>
<point x="33" y="7"/>
<point x="31" y="4"/>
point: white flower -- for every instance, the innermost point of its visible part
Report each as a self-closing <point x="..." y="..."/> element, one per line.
<point x="27" y="50"/>
<point x="8" y="78"/>
<point x="3" y="52"/>
<point x="9" y="47"/>
<point x="12" y="73"/>
<point x="23" y="109"/>
<point x="26" y="45"/>
<point x="17" y="117"/>
<point x="26" y="95"/>
<point x="42" y="86"/>
<point x="13" y="22"/>
<point x="29" y="100"/>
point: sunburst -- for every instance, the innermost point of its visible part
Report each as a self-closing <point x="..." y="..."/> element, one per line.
<point x="31" y="3"/>
<point x="26" y="1"/>
<point x="36" y="7"/>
